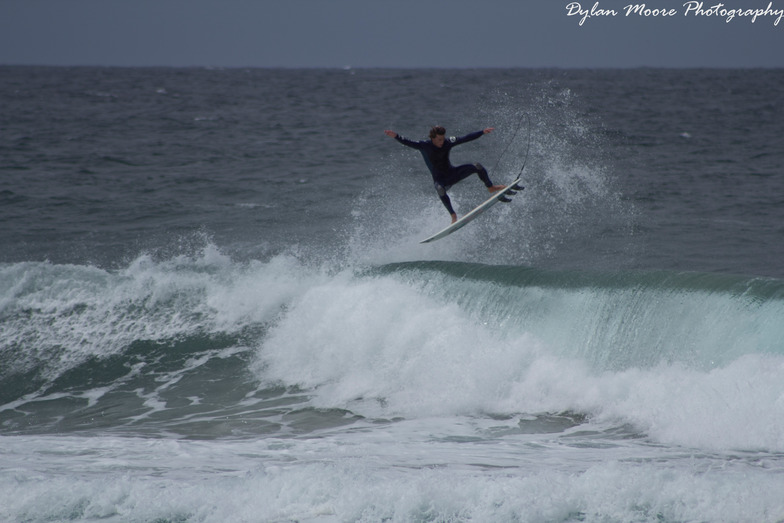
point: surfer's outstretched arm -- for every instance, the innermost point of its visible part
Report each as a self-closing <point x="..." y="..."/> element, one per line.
<point x="405" y="141"/>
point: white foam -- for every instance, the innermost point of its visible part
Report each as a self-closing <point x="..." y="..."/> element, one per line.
<point x="384" y="346"/>
<point x="401" y="477"/>
<point x="64" y="314"/>
<point x="379" y="339"/>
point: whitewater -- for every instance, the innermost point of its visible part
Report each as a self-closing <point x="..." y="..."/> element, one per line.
<point x="216" y="308"/>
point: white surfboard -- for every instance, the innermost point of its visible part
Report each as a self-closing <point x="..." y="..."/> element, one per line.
<point x="495" y="198"/>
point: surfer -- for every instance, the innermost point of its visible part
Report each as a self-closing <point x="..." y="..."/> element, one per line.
<point x="436" y="154"/>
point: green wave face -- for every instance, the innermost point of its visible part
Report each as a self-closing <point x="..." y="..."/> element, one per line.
<point x="618" y="320"/>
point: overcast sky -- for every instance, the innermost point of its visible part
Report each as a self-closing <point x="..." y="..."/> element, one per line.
<point x="385" y="33"/>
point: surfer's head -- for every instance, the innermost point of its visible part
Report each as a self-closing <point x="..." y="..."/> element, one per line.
<point x="437" y="130"/>
<point x="437" y="135"/>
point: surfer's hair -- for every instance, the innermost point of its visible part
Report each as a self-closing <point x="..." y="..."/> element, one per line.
<point x="437" y="130"/>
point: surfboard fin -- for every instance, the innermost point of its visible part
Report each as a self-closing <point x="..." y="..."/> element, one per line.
<point x="504" y="199"/>
<point x="517" y="187"/>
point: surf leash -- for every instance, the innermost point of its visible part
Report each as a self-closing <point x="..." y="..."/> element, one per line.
<point x="511" y="141"/>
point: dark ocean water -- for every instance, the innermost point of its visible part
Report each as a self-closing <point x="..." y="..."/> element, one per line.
<point x="101" y="164"/>
<point x="214" y="305"/>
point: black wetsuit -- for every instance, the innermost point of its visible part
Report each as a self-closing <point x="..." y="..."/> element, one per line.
<point x="444" y="173"/>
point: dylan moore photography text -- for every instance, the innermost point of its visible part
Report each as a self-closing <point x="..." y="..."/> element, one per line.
<point x="692" y="8"/>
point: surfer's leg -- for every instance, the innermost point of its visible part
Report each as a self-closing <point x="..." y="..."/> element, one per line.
<point x="464" y="171"/>
<point x="441" y="190"/>
<point x="482" y="172"/>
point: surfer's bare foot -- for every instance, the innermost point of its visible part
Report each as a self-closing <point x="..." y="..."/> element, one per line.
<point x="496" y="188"/>
<point x="454" y="218"/>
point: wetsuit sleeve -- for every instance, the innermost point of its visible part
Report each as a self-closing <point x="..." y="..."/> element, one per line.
<point x="467" y="138"/>
<point x="407" y="142"/>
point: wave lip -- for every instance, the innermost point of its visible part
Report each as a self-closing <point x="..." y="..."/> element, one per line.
<point x="619" y="320"/>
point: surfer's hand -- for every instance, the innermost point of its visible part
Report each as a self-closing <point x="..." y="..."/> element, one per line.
<point x="391" y="134"/>
<point x="454" y="218"/>
<point x="489" y="130"/>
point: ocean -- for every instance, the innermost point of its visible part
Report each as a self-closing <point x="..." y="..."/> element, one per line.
<point x="214" y="305"/>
